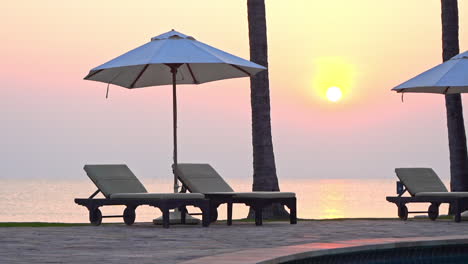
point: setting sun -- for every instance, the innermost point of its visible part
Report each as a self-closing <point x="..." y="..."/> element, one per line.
<point x="334" y="78"/>
<point x="334" y="94"/>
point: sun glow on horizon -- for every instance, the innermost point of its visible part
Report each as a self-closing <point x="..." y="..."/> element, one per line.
<point x="334" y="94"/>
<point x="334" y="78"/>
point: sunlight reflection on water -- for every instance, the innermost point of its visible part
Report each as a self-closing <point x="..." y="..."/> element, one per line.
<point x="30" y="200"/>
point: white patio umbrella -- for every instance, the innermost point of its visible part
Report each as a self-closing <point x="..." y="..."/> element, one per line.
<point x="447" y="78"/>
<point x="172" y="58"/>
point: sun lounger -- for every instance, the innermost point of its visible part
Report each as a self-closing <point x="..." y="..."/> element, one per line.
<point x="202" y="178"/>
<point x="425" y="186"/>
<point x="121" y="187"/>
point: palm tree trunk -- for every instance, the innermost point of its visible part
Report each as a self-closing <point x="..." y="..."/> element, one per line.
<point x="264" y="177"/>
<point x="453" y="103"/>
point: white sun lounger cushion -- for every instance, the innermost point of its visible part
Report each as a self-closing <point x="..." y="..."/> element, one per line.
<point x="443" y="194"/>
<point x="419" y="180"/>
<point x="114" y="178"/>
<point x="202" y="178"/>
<point x="165" y="196"/>
<point x="266" y="195"/>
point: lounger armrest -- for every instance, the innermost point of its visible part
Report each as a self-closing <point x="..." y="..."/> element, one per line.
<point x="400" y="188"/>
<point x="94" y="194"/>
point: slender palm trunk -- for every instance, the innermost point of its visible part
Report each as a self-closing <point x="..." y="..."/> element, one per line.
<point x="453" y="103"/>
<point x="264" y="177"/>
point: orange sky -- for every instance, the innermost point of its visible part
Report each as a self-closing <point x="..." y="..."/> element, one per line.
<point x="55" y="122"/>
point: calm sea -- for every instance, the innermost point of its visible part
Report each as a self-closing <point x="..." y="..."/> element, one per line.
<point x="31" y="200"/>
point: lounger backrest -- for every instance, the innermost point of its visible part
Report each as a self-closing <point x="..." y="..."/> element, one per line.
<point x="114" y="178"/>
<point x="201" y="178"/>
<point x="420" y="180"/>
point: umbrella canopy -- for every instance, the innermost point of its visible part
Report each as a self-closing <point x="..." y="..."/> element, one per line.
<point x="172" y="58"/>
<point x="447" y="78"/>
<point x="147" y="65"/>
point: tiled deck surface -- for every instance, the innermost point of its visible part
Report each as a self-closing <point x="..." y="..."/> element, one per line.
<point x="240" y="243"/>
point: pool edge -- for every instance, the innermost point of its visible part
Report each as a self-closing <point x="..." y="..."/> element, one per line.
<point x="277" y="255"/>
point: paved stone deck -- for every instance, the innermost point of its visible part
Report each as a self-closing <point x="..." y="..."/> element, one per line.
<point x="146" y="243"/>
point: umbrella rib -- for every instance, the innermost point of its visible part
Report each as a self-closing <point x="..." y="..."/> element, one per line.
<point x="203" y="48"/>
<point x="208" y="48"/>
<point x="445" y="74"/>
<point x="92" y="74"/>
<point x="139" y="75"/>
<point x="191" y="73"/>
<point x="240" y="69"/>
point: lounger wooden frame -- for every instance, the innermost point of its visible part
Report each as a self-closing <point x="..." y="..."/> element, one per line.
<point x="257" y="204"/>
<point x="425" y="186"/>
<point x="459" y="205"/>
<point x="95" y="215"/>
<point x="220" y="192"/>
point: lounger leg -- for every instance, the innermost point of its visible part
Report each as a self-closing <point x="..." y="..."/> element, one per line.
<point x="95" y="215"/>
<point x="213" y="211"/>
<point x="402" y="211"/>
<point x="258" y="215"/>
<point x="206" y="214"/>
<point x="229" y="213"/>
<point x="433" y="211"/>
<point x="129" y="215"/>
<point x="292" y="212"/>
<point x="183" y="214"/>
<point x="165" y="213"/>
<point x="457" y="209"/>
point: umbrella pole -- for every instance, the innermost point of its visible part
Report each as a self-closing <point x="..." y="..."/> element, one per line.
<point x="174" y="68"/>
<point x="175" y="216"/>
